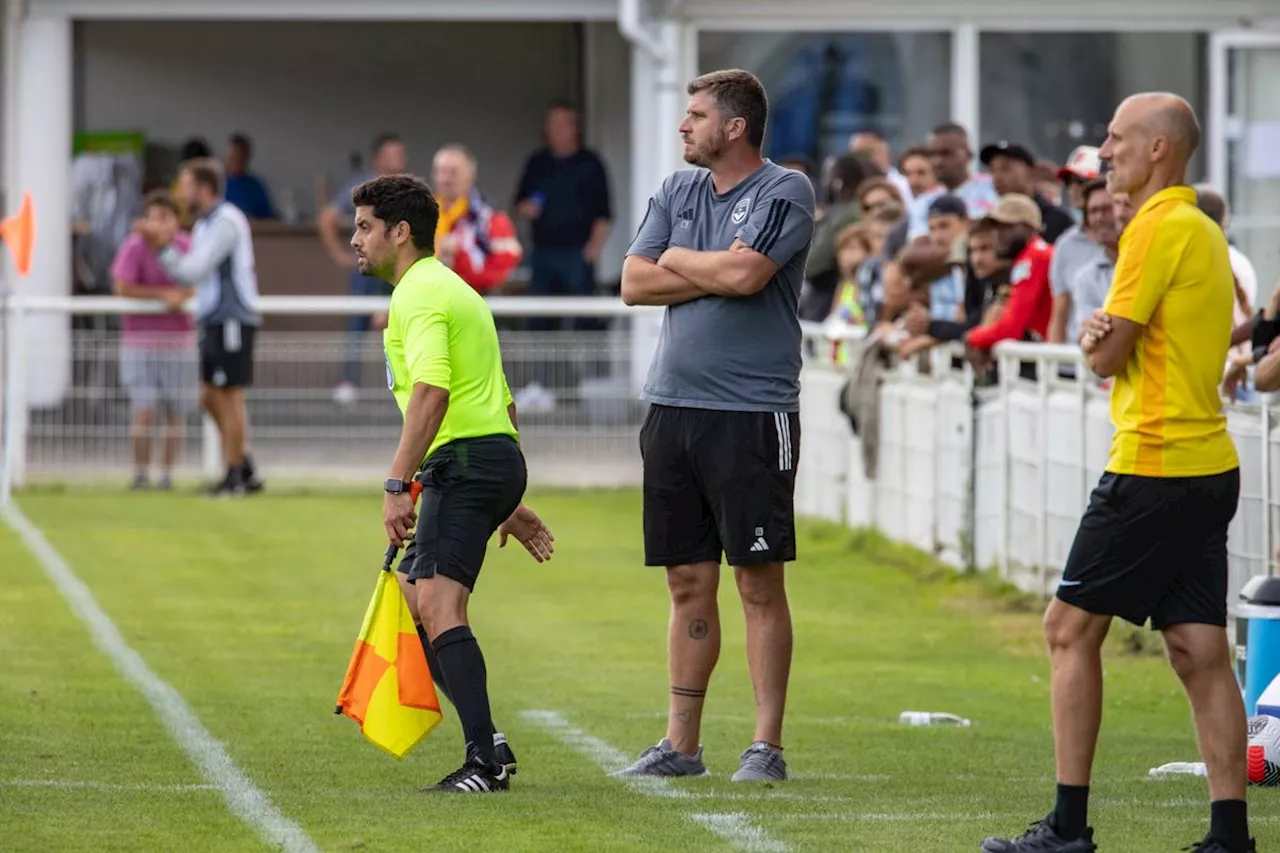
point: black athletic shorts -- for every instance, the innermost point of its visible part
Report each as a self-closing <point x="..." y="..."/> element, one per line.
<point x="719" y="483"/>
<point x="470" y="486"/>
<point x="1154" y="548"/>
<point x="226" y="354"/>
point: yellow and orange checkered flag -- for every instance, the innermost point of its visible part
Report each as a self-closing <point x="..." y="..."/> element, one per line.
<point x="388" y="688"/>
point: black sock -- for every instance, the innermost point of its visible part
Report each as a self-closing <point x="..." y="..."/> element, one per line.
<point x="462" y="664"/>
<point x="1071" y="814"/>
<point x="434" y="665"/>
<point x="1229" y="823"/>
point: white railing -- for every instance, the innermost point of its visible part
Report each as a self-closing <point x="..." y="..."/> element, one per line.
<point x="578" y="429"/>
<point x="980" y="476"/>
<point x="997" y="477"/>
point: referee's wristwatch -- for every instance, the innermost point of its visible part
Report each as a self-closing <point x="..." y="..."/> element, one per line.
<point x="396" y="487"/>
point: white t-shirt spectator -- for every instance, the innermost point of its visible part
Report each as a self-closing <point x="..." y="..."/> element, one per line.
<point x="1247" y="277"/>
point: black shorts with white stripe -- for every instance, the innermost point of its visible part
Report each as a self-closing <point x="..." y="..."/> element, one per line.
<point x="226" y="354"/>
<point x="719" y="485"/>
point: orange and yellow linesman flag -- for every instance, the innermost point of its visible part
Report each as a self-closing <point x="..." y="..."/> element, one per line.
<point x="388" y="688"/>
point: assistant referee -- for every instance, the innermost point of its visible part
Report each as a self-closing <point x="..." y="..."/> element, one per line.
<point x="459" y="440"/>
<point x="1153" y="542"/>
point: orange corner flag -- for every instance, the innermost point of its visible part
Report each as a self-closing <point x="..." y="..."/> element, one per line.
<point x="19" y="233"/>
<point x="388" y="688"/>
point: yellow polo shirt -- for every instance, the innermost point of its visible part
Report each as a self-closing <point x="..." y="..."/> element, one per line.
<point x="1173" y="277"/>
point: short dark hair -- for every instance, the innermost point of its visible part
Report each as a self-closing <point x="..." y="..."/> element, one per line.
<point x="1091" y="187"/>
<point x="206" y="172"/>
<point x="738" y="94"/>
<point x="195" y="148"/>
<point x="1211" y="202"/>
<point x="402" y="198"/>
<point x="563" y="104"/>
<point x="242" y="140"/>
<point x="951" y="127"/>
<point x="160" y="198"/>
<point x="384" y="139"/>
<point x="983" y="226"/>
<point x="914" y="151"/>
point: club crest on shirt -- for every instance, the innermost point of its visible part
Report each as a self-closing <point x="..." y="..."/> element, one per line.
<point x="740" y="211"/>
<point x="1021" y="272"/>
<point x="391" y="379"/>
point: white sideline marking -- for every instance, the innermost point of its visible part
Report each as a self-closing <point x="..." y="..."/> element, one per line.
<point x="736" y="828"/>
<point x="68" y="784"/>
<point x="245" y="800"/>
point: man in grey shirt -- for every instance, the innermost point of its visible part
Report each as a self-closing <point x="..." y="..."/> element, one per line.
<point x="1079" y="249"/>
<point x="724" y="247"/>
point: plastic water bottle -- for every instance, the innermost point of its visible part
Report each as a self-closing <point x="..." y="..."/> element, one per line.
<point x="930" y="718"/>
<point x="1179" y="768"/>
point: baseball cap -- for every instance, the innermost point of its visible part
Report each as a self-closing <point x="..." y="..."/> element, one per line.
<point x="1084" y="163"/>
<point x="1017" y="209"/>
<point x="1004" y="148"/>
<point x="948" y="203"/>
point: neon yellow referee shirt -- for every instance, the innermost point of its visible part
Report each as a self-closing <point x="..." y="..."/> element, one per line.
<point x="440" y="332"/>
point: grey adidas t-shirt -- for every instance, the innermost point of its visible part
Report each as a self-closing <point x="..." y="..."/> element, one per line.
<point x="733" y="354"/>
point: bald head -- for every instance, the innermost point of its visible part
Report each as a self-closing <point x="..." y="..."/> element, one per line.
<point x="1171" y="116"/>
<point x="1150" y="141"/>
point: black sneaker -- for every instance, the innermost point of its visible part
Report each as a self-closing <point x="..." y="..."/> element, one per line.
<point x="474" y="777"/>
<point x="230" y="486"/>
<point x="1213" y="845"/>
<point x="1041" y="837"/>
<point x="502" y="752"/>
<point x="249" y="476"/>
<point x="139" y="483"/>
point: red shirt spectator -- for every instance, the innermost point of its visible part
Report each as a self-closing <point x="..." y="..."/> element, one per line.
<point x="1030" y="304"/>
<point x="473" y="239"/>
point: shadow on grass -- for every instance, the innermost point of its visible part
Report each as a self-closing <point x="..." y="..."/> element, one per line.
<point x="976" y="589"/>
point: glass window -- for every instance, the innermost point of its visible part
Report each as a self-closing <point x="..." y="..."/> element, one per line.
<point x="1253" y="162"/>
<point x="1054" y="91"/>
<point x="824" y="87"/>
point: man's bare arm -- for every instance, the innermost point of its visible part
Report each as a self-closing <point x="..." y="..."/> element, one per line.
<point x="1110" y="354"/>
<point x="740" y="271"/>
<point x="646" y="283"/>
<point x="1266" y="375"/>
<point x="422" y="418"/>
<point x="330" y="229"/>
<point x="1058" y="322"/>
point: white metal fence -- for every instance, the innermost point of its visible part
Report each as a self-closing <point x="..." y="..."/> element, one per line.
<point x="985" y="476"/>
<point x="579" y="417"/>
<point x="999" y="476"/>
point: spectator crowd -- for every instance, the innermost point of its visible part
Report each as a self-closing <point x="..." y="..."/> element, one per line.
<point x="922" y="250"/>
<point x="908" y="252"/>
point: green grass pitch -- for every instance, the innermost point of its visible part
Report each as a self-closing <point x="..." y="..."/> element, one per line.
<point x="250" y="608"/>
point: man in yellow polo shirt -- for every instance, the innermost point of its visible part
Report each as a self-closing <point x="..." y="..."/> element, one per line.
<point x="1153" y="542"/>
<point x="459" y="440"/>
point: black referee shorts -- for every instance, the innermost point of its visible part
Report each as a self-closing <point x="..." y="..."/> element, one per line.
<point x="226" y="354"/>
<point x="1154" y="548"/>
<point x="470" y="486"/>
<point x="719" y="483"/>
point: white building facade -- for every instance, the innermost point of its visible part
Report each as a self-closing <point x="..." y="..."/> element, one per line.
<point x="290" y="73"/>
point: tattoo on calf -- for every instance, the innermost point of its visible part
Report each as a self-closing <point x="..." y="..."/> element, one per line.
<point x="685" y="716"/>
<point x="698" y="629"/>
<point x="688" y="692"/>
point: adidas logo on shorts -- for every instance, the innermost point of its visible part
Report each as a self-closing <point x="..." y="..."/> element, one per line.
<point x="760" y="544"/>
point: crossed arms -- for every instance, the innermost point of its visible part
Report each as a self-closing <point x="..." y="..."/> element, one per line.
<point x="682" y="275"/>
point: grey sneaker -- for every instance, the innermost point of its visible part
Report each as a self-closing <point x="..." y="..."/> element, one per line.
<point x="662" y="760"/>
<point x="761" y="763"/>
